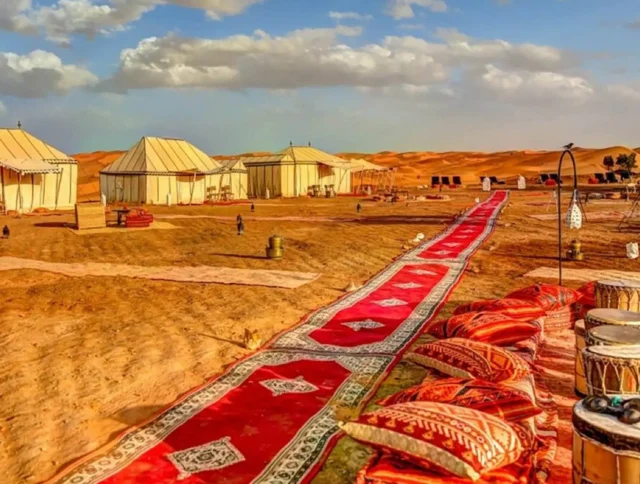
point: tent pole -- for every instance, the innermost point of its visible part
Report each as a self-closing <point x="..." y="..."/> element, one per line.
<point x="19" y="192"/>
<point x="58" y="183"/>
<point x="4" y="196"/>
<point x="33" y="183"/>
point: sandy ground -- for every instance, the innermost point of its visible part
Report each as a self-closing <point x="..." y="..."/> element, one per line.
<point x="84" y="358"/>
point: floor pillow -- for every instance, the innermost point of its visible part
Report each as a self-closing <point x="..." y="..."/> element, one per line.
<point x="463" y="358"/>
<point x="493" y="328"/>
<point x="502" y="401"/>
<point x="515" y="308"/>
<point x="384" y="468"/>
<point x="442" y="438"/>
<point x="547" y="296"/>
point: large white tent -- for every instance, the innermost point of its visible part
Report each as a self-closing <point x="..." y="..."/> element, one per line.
<point x="160" y="171"/>
<point x="34" y="174"/>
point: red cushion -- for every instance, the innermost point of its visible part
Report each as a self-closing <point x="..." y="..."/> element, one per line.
<point x="587" y="294"/>
<point x="502" y="401"/>
<point x="494" y="328"/>
<point x="547" y="296"/>
<point x="443" y="438"/>
<point x="389" y="469"/>
<point x="463" y="358"/>
<point x="515" y="308"/>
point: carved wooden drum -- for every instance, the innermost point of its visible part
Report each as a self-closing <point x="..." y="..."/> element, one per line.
<point x="580" y="381"/>
<point x="618" y="295"/>
<point x="605" y="451"/>
<point x="611" y="317"/>
<point x="612" y="370"/>
<point x="613" y="336"/>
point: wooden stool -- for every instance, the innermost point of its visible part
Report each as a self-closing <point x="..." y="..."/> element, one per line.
<point x="611" y="317"/>
<point x="618" y="295"/>
<point x="605" y="451"/>
<point x="580" y="381"/>
<point x="612" y="370"/>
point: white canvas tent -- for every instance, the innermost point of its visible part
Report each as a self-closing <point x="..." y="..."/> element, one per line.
<point x="34" y="174"/>
<point x="364" y="172"/>
<point x="292" y="171"/>
<point x="160" y="171"/>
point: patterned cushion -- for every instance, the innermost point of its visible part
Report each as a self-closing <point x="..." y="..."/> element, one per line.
<point x="463" y="358"/>
<point x="385" y="468"/>
<point x="502" y="401"/>
<point x="547" y="296"/>
<point x="560" y="319"/>
<point x="515" y="308"/>
<point x="494" y="328"/>
<point x="442" y="438"/>
<point x="586" y="300"/>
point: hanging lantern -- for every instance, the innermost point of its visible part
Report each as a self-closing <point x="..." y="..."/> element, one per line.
<point x="574" y="214"/>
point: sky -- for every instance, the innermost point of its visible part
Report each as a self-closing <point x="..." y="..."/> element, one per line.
<point x="236" y="76"/>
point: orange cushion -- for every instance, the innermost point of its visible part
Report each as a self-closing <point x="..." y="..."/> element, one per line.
<point x="494" y="328"/>
<point x="502" y="401"/>
<point x="546" y="296"/>
<point x="443" y="438"/>
<point x="463" y="358"/>
<point x="515" y="308"/>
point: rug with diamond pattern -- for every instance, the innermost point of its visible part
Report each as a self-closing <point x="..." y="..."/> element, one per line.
<point x="272" y="417"/>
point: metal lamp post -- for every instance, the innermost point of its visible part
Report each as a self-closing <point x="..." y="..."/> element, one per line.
<point x="575" y="215"/>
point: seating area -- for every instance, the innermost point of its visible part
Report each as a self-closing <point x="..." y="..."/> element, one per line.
<point x="138" y="218"/>
<point x="482" y="372"/>
<point x="446" y="181"/>
<point x="610" y="177"/>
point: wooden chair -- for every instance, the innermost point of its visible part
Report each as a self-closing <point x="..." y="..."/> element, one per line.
<point x="446" y="181"/>
<point x="543" y="178"/>
<point x="435" y="181"/>
<point x="611" y="177"/>
<point x="457" y="180"/>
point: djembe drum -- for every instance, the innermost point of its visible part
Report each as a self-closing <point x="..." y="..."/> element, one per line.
<point x="618" y="295"/>
<point x="605" y="450"/>
<point x="580" y="381"/>
<point x="613" y="336"/>
<point x="611" y="317"/>
<point x="612" y="370"/>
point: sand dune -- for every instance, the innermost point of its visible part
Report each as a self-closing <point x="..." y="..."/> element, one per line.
<point x="415" y="167"/>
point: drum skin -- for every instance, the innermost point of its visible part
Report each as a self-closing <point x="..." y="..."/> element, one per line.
<point x="605" y="451"/>
<point x="613" y="336"/>
<point x="611" y="317"/>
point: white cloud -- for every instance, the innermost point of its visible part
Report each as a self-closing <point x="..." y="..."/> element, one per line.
<point x="537" y="84"/>
<point x="625" y="92"/>
<point x="89" y="18"/>
<point x="349" y="16"/>
<point x="39" y="74"/>
<point x="320" y="58"/>
<point x="401" y="9"/>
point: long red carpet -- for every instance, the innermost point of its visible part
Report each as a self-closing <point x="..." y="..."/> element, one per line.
<point x="271" y="417"/>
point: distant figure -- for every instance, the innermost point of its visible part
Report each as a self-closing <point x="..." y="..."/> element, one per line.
<point x="568" y="147"/>
<point x="358" y="208"/>
<point x="240" y="225"/>
<point x="253" y="208"/>
<point x="6" y="232"/>
<point x="522" y="183"/>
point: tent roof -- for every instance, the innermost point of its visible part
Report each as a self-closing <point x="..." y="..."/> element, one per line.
<point x="161" y="156"/>
<point x="18" y="144"/>
<point x="29" y="167"/>
<point x="229" y="166"/>
<point x="300" y="154"/>
<point x="358" y="165"/>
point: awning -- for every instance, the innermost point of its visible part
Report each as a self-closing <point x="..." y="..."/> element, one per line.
<point x="363" y="165"/>
<point x="29" y="167"/>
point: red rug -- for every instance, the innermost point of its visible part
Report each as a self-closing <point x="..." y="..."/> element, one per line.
<point x="272" y="417"/>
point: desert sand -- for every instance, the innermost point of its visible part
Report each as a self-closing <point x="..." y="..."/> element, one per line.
<point x="415" y="168"/>
<point x="85" y="358"/>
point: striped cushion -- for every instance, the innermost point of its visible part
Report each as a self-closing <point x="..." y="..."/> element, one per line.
<point x="546" y="296"/>
<point x="463" y="358"/>
<point x="494" y="328"/>
<point x="515" y="308"/>
<point x="502" y="401"/>
<point x="442" y="438"/>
